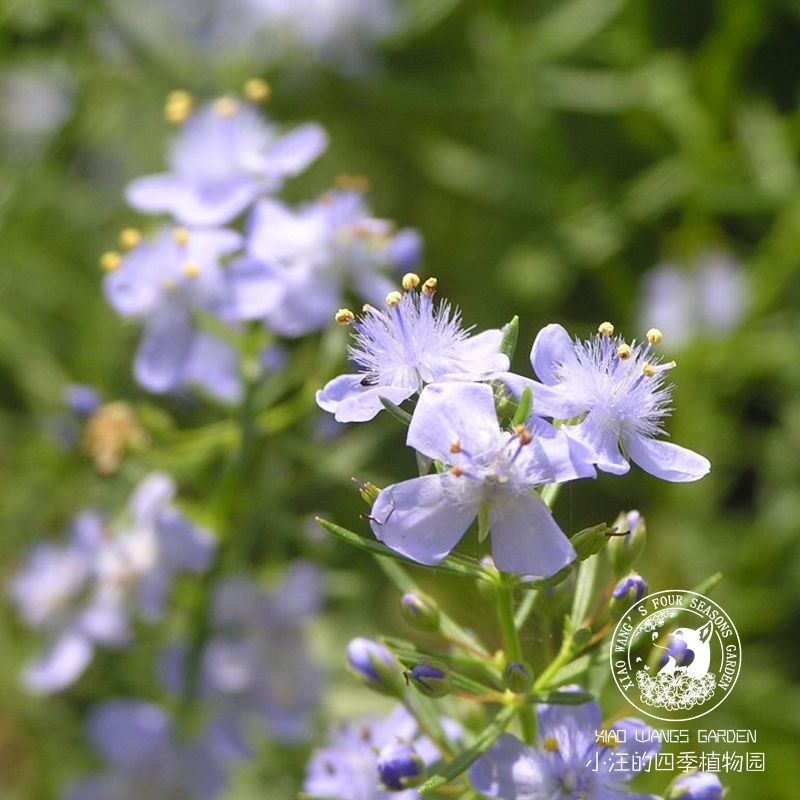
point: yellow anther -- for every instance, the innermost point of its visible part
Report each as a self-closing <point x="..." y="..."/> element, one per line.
<point x="410" y="281"/>
<point x="129" y="238"/>
<point x="455" y="447"/>
<point x="181" y="236"/>
<point x="550" y="744"/>
<point x="367" y="308"/>
<point x="110" y="261"/>
<point x="352" y="183"/>
<point x="523" y="434"/>
<point x="654" y="336"/>
<point x="456" y="471"/>
<point x="257" y="90"/>
<point x="429" y="287"/>
<point x="191" y="269"/>
<point x="648" y="370"/>
<point x="225" y="106"/>
<point x="178" y="106"/>
<point x="624" y="351"/>
<point x="393" y="299"/>
<point x="344" y="316"/>
<point x="605" y="329"/>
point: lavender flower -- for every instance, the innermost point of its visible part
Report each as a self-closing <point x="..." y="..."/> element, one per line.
<point x="568" y="763"/>
<point x="224" y="159"/>
<point x="165" y="282"/>
<point x="256" y="667"/>
<point x="317" y="253"/>
<point x="400" y="350"/>
<point x="143" y="757"/>
<point x="83" y="593"/>
<point x="618" y="395"/>
<point x="710" y="297"/>
<point x="493" y="474"/>
<point x="631" y="589"/>
<point x="348" y="767"/>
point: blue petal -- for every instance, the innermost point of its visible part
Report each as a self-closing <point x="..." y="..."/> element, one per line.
<point x="603" y="442"/>
<point x="253" y="289"/>
<point x="424" y="518"/>
<point x="351" y="401"/>
<point x="213" y="365"/>
<point x="665" y="460"/>
<point x="573" y="727"/>
<point x="638" y="752"/>
<point x="510" y="771"/>
<point x="548" y="401"/>
<point x="551" y="347"/>
<point x="62" y="664"/>
<point x="454" y="412"/>
<point x="294" y="151"/>
<point x="164" y="350"/>
<point x="526" y="539"/>
<point x="130" y="732"/>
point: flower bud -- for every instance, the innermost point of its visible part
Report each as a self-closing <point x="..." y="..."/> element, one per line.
<point x="518" y="677"/>
<point x="374" y="664"/>
<point x="624" y="550"/>
<point x="629" y="591"/>
<point x="400" y="767"/>
<point x="430" y="680"/>
<point x="695" y="786"/>
<point x="419" y="611"/>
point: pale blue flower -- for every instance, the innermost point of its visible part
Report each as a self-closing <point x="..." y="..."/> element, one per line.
<point x="83" y="593"/>
<point x="256" y="668"/>
<point x="225" y="157"/>
<point x="317" y="254"/>
<point x="618" y="395"/>
<point x="165" y="282"/>
<point x="567" y="763"/>
<point x="347" y="768"/>
<point x="707" y="298"/>
<point x="399" y="350"/>
<point x="491" y="471"/>
<point x="144" y="758"/>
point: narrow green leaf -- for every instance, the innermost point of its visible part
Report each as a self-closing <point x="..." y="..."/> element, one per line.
<point x="464" y="760"/>
<point x="452" y="565"/>
<point x="398" y="413"/>
<point x="572" y="671"/>
<point x="524" y="408"/>
<point x="508" y="344"/>
<point x="572" y="698"/>
<point x="584" y="591"/>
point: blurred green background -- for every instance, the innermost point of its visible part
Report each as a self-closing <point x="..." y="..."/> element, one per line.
<point x="551" y="154"/>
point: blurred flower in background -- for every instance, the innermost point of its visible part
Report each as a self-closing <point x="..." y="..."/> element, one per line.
<point x="708" y="297"/>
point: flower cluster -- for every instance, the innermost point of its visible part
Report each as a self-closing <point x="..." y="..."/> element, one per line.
<point x="675" y="690"/>
<point x="83" y="593"/>
<point x="568" y="763"/>
<point x="374" y="759"/>
<point x="230" y="252"/>
<point x="611" y="394"/>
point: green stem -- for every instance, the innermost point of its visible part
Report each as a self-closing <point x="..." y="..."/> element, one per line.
<point x="564" y="656"/>
<point x="513" y="647"/>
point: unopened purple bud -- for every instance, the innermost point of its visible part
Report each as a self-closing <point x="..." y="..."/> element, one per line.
<point x="82" y="399"/>
<point x="433" y="681"/>
<point x="419" y="611"/>
<point x="627" y="545"/>
<point x="373" y="663"/>
<point x="518" y="677"/>
<point x="695" y="786"/>
<point x="627" y="592"/>
<point x="400" y="766"/>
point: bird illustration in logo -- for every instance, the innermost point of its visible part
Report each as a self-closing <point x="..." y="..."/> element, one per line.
<point x="692" y="647"/>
